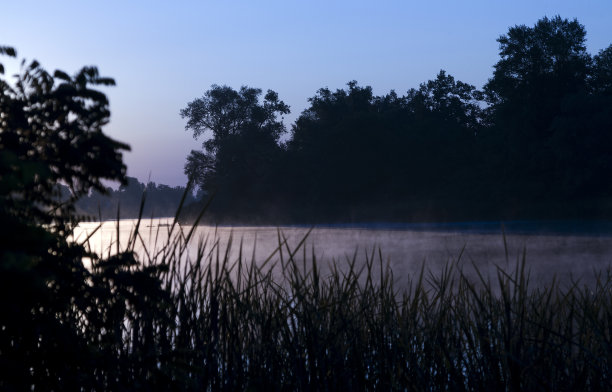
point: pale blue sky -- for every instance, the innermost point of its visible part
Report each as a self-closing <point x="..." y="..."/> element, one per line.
<point x="164" y="54"/>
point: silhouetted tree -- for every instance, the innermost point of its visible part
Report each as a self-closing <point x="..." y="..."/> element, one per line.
<point x="50" y="133"/>
<point x="445" y="118"/>
<point x="534" y="143"/>
<point x="351" y="151"/>
<point x="327" y="148"/>
<point x="61" y="323"/>
<point x="241" y="154"/>
<point x="542" y="71"/>
<point x="539" y="65"/>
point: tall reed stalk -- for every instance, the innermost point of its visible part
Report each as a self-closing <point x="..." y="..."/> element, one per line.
<point x="177" y="322"/>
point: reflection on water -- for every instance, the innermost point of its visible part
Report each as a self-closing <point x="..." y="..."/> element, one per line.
<point x="404" y="249"/>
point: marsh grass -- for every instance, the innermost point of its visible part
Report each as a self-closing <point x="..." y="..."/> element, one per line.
<point x="175" y="321"/>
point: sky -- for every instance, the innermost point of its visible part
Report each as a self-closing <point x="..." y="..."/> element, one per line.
<point x="164" y="54"/>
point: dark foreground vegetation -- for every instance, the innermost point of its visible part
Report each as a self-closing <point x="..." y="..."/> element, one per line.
<point x="166" y="322"/>
<point x="533" y="143"/>
<point x="159" y="320"/>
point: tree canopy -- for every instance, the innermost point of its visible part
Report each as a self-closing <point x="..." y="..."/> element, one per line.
<point x="56" y="315"/>
<point x="51" y="133"/>
<point x="533" y="143"/>
<point x="240" y="154"/>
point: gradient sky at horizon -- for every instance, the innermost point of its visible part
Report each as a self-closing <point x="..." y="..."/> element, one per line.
<point x="164" y="54"/>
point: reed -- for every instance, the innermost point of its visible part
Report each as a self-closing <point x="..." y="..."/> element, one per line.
<point x="212" y="323"/>
<point x="164" y="318"/>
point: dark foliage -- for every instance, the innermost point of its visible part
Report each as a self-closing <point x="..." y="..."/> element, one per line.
<point x="535" y="143"/>
<point x="241" y="156"/>
<point x="59" y="321"/>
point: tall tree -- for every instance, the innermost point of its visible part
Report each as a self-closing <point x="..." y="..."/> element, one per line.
<point x="445" y="116"/>
<point x="351" y="150"/>
<point x="242" y="149"/>
<point x="542" y="71"/>
<point x="335" y="150"/>
<point x="539" y="65"/>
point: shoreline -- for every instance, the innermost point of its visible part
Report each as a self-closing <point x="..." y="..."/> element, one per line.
<point x="519" y="227"/>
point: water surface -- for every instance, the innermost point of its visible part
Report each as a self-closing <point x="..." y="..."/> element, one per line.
<point x="567" y="250"/>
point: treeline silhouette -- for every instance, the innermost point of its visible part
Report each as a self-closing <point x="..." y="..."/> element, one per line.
<point x="159" y="201"/>
<point x="534" y="142"/>
<point x="168" y="319"/>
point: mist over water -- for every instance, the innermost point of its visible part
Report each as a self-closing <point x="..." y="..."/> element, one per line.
<point x="564" y="255"/>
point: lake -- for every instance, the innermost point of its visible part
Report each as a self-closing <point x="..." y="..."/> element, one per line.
<point x="568" y="250"/>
